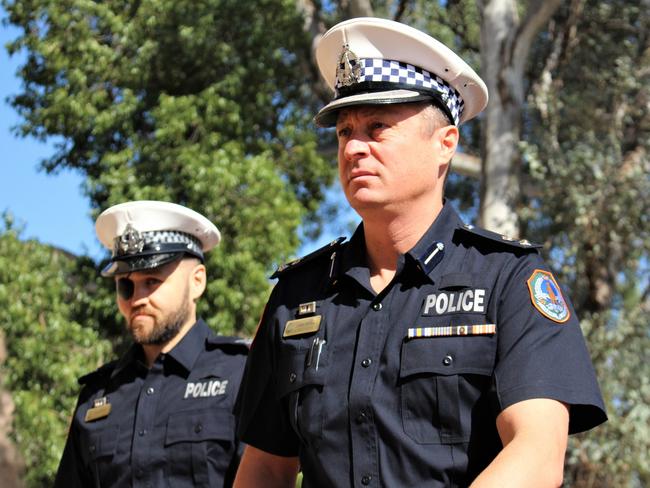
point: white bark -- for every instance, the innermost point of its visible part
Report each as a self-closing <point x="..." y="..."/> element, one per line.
<point x="505" y="44"/>
<point x="10" y="461"/>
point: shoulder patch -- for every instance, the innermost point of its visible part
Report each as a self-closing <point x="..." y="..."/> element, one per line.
<point x="500" y="238"/>
<point x="546" y="296"/>
<point x="100" y="373"/>
<point x="309" y="257"/>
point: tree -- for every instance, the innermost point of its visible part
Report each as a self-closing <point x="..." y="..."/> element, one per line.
<point x="200" y="103"/>
<point x="506" y="40"/>
<point x="588" y="140"/>
<point x="11" y="465"/>
<point x="46" y="350"/>
<point x="203" y="104"/>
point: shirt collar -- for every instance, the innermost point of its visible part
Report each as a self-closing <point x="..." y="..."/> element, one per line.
<point x="191" y="345"/>
<point x="430" y="250"/>
<point x="133" y="356"/>
<point x="184" y="353"/>
<point x="354" y="263"/>
<point x="426" y="254"/>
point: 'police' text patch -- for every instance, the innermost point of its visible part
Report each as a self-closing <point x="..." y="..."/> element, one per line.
<point x="465" y="301"/>
<point x="203" y="389"/>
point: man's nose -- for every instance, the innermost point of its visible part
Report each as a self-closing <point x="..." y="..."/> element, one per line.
<point x="356" y="147"/>
<point x="141" y="294"/>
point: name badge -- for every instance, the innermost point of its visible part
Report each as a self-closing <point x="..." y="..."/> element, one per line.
<point x="100" y="409"/>
<point x="302" y="326"/>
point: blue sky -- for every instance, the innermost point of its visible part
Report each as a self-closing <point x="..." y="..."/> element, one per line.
<point x="51" y="208"/>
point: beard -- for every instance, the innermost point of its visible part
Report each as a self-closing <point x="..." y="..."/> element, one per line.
<point x="167" y="327"/>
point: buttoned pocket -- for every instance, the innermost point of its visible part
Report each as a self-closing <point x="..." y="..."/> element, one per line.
<point x="300" y="386"/>
<point x="441" y="380"/>
<point x="102" y="443"/>
<point x="198" y="442"/>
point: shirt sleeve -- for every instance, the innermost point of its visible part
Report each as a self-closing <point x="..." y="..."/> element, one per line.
<point x="71" y="472"/>
<point x="541" y="351"/>
<point x="263" y="420"/>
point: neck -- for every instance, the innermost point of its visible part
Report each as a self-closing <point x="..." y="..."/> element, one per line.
<point x="389" y="234"/>
<point x="152" y="351"/>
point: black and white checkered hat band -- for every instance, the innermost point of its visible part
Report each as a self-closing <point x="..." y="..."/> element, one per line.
<point x="158" y="241"/>
<point x="403" y="75"/>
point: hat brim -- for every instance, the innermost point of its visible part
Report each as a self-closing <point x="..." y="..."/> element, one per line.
<point x="132" y="264"/>
<point x="328" y="115"/>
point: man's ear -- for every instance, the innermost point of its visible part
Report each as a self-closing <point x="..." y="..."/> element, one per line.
<point x="446" y="138"/>
<point x="198" y="281"/>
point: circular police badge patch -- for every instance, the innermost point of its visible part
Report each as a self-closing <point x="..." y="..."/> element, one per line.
<point x="547" y="297"/>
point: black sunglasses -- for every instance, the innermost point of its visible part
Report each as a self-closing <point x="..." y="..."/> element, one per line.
<point x="125" y="288"/>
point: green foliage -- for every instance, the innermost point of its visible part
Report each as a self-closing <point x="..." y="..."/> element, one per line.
<point x="616" y="454"/>
<point x="195" y="102"/>
<point x="587" y="150"/>
<point x="46" y="351"/>
<point x="207" y="103"/>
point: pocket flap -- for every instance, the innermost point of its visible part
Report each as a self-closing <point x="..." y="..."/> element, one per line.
<point x="103" y="442"/>
<point x="456" y="281"/>
<point x="293" y="372"/>
<point x="448" y="355"/>
<point x="199" y="426"/>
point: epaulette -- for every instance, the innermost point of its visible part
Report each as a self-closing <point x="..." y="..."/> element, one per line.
<point x="100" y="373"/>
<point x="238" y="344"/>
<point x="500" y="238"/>
<point x="291" y="265"/>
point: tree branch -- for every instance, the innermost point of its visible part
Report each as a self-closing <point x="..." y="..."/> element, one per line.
<point x="537" y="15"/>
<point x="360" y="8"/>
<point x="315" y="28"/>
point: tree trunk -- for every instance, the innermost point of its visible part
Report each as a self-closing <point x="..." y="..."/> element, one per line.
<point x="505" y="45"/>
<point x="10" y="461"/>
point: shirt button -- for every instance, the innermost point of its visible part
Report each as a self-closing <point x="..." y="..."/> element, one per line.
<point x="366" y="480"/>
<point x="366" y="362"/>
<point x="362" y="417"/>
<point x="142" y="432"/>
<point x="447" y="360"/>
<point x="150" y="391"/>
<point x="377" y="306"/>
<point x="92" y="448"/>
<point x="292" y="377"/>
<point x="198" y="428"/>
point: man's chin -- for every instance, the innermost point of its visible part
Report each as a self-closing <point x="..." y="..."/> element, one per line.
<point x="141" y="330"/>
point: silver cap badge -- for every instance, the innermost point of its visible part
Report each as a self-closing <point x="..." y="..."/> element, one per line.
<point x="349" y="68"/>
<point x="130" y="242"/>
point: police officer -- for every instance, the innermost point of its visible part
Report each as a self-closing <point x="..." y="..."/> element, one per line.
<point x="162" y="414"/>
<point x="425" y="351"/>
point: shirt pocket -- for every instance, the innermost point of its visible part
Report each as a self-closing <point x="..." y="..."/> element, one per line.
<point x="300" y="387"/>
<point x="441" y="380"/>
<point x="103" y="443"/>
<point x="99" y="447"/>
<point x="198" y="442"/>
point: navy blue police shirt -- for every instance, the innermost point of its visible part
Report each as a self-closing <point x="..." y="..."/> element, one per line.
<point x="402" y="388"/>
<point x="170" y="425"/>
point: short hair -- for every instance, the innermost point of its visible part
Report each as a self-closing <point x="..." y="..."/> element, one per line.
<point x="434" y="117"/>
